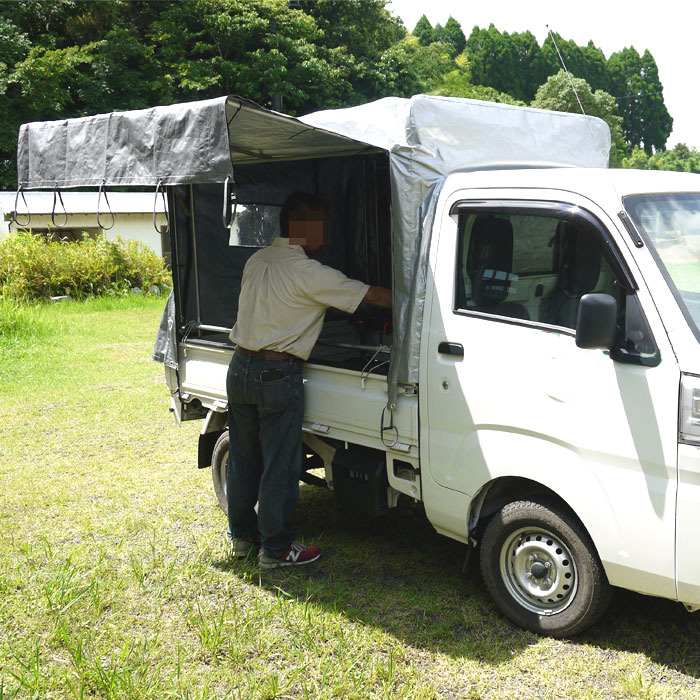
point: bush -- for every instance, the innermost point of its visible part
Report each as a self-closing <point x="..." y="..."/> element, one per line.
<point x="33" y="267"/>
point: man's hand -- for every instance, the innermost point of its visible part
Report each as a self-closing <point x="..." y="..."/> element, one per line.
<point x="378" y="296"/>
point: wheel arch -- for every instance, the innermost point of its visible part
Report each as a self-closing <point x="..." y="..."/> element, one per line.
<point x="505" y="489"/>
<point x="215" y="424"/>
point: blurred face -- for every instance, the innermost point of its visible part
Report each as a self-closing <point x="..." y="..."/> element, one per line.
<point x="307" y="225"/>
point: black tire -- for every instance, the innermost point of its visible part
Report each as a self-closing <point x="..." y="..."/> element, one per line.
<point x="219" y="460"/>
<point x="542" y="569"/>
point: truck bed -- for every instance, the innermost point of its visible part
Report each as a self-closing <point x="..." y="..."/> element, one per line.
<point x="342" y="403"/>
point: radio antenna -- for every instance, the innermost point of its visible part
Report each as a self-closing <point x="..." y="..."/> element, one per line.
<point x="599" y="148"/>
<point x="566" y="70"/>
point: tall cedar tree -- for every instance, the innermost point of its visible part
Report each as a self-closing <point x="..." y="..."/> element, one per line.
<point x="453" y="35"/>
<point x="424" y="31"/>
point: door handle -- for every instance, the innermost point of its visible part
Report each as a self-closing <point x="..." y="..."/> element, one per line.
<point x="454" y="349"/>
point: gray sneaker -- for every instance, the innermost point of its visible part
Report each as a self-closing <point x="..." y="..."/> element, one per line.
<point x="241" y="548"/>
<point x="295" y="555"/>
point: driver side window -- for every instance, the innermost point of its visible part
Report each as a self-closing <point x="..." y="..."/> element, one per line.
<point x="533" y="265"/>
<point x="529" y="267"/>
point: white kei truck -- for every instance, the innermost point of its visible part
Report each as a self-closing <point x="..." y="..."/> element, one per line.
<point x="536" y="386"/>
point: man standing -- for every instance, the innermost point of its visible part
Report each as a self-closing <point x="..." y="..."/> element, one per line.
<point x="283" y="300"/>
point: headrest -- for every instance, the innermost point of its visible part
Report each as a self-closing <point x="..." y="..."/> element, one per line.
<point x="490" y="259"/>
<point x="582" y="258"/>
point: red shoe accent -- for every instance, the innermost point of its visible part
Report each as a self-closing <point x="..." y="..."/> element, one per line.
<point x="295" y="555"/>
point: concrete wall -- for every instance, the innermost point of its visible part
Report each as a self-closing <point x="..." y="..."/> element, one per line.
<point x="128" y="227"/>
<point x="133" y="216"/>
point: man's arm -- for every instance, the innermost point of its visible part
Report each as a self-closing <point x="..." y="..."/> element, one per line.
<point x="378" y="296"/>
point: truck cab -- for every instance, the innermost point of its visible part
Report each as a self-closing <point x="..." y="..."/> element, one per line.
<point x="514" y="410"/>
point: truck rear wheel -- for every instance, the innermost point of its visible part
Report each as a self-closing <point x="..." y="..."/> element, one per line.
<point x="542" y="570"/>
<point x="219" y="461"/>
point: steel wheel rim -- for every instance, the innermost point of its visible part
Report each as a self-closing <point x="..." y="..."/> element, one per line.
<point x="538" y="570"/>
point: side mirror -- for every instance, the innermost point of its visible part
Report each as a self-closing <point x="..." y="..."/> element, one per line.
<point x="597" y="317"/>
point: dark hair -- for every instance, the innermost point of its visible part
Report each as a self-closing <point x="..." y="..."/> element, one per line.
<point x="293" y="202"/>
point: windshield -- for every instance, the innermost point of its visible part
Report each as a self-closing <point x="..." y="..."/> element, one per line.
<point x="671" y="223"/>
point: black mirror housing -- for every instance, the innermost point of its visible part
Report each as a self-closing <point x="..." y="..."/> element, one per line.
<point x="597" y="317"/>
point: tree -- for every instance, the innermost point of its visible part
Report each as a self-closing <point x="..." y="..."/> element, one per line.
<point x="562" y="93"/>
<point x="513" y="64"/>
<point x="424" y="31"/>
<point x="67" y="58"/>
<point x="364" y="27"/>
<point x="658" y="123"/>
<point x="260" y="49"/>
<point x="531" y="63"/>
<point x="428" y="63"/>
<point x="491" y="59"/>
<point x="439" y="33"/>
<point x="453" y="35"/>
<point x="639" y="94"/>
<point x="587" y="62"/>
<point x="456" y="83"/>
<point x="366" y="33"/>
<point x="681" y="158"/>
<point x="395" y="73"/>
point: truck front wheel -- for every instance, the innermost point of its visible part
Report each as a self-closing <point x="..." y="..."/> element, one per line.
<point x="219" y="461"/>
<point x="542" y="570"/>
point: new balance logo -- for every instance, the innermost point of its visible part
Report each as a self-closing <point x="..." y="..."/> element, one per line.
<point x="296" y="554"/>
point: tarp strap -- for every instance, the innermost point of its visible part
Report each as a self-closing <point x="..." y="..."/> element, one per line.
<point x="100" y="194"/>
<point x="161" y="189"/>
<point x="235" y="114"/>
<point x="230" y="202"/>
<point x="20" y="191"/>
<point x="57" y="196"/>
<point x="386" y="428"/>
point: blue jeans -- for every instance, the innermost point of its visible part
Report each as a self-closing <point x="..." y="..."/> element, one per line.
<point x="266" y="411"/>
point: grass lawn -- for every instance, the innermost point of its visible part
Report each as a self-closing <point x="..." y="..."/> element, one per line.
<point x="115" y="580"/>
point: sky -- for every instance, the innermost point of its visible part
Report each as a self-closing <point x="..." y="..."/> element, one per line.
<point x="669" y="29"/>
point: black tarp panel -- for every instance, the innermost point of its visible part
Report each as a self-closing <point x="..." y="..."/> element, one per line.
<point x="208" y="269"/>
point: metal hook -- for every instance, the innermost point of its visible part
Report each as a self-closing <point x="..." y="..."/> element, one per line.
<point x="57" y="194"/>
<point x="165" y="208"/>
<point x="391" y="426"/>
<point x="229" y="196"/>
<point x="99" y="197"/>
<point x="15" y="220"/>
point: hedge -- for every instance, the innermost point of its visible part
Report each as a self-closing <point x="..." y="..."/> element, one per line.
<point x="33" y="267"/>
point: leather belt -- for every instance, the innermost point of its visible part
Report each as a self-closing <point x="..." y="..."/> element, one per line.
<point x="267" y="354"/>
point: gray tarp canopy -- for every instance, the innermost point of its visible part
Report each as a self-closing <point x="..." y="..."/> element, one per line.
<point x="425" y="137"/>
<point x="194" y="142"/>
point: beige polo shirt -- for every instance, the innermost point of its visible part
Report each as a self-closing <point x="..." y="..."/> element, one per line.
<point x="284" y="297"/>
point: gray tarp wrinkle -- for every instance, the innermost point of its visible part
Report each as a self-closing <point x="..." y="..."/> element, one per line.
<point x="172" y="144"/>
<point x="165" y="349"/>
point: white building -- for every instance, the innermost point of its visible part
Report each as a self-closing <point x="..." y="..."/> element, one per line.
<point x="128" y="215"/>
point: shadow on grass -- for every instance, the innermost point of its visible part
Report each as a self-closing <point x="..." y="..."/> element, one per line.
<point x="396" y="574"/>
<point x="399" y="575"/>
<point x="660" y="629"/>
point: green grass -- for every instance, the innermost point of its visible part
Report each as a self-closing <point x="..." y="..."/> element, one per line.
<point x="115" y="580"/>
